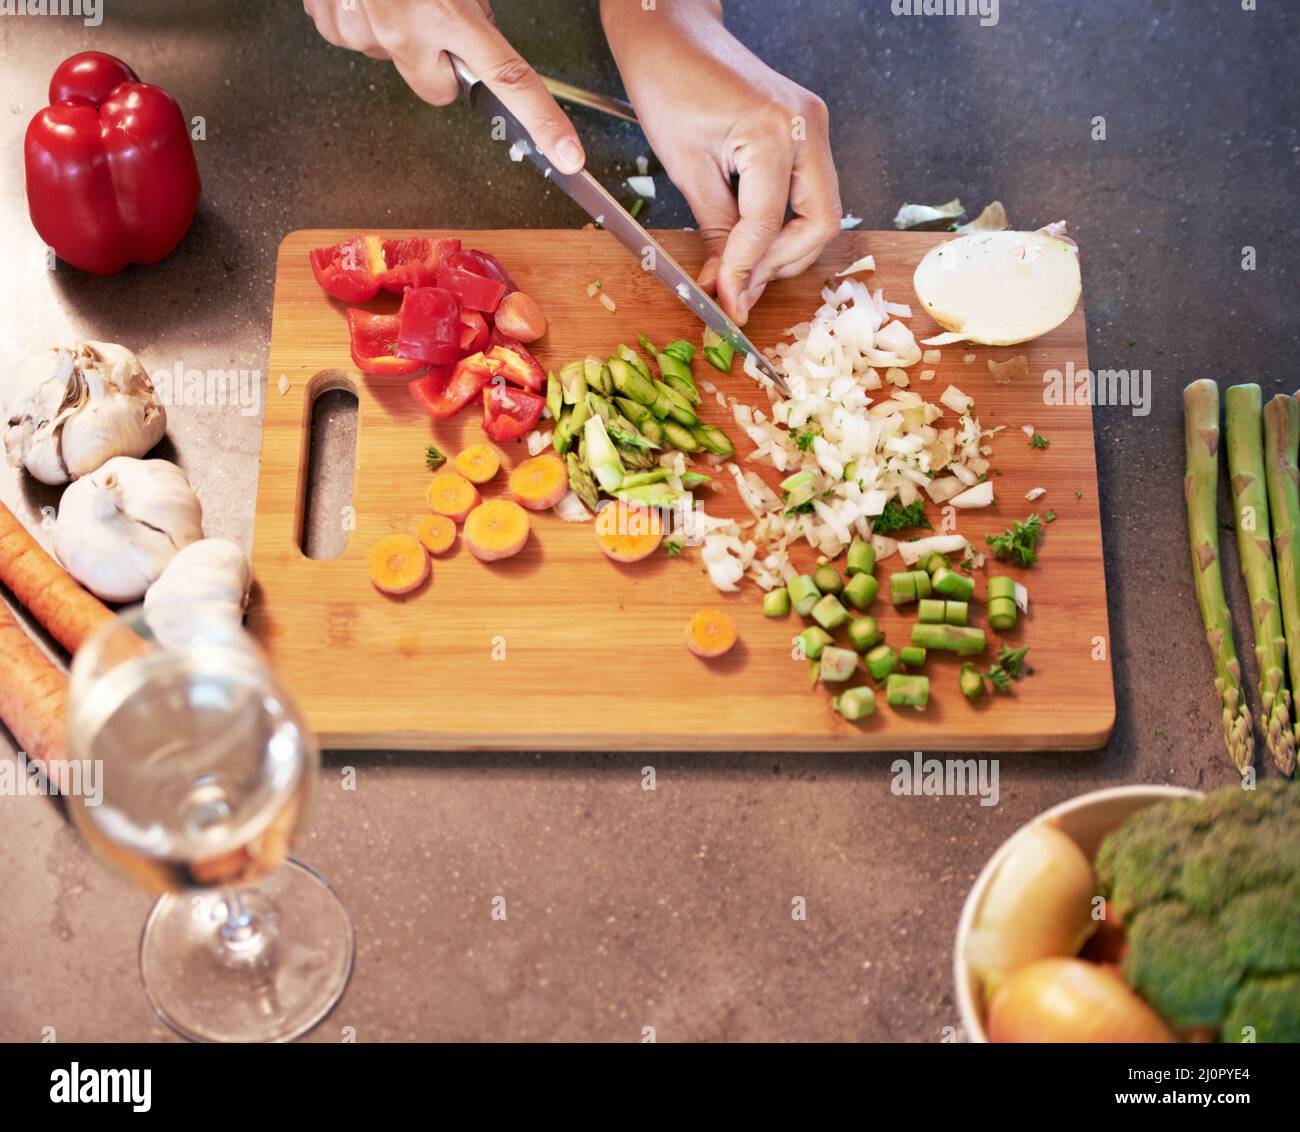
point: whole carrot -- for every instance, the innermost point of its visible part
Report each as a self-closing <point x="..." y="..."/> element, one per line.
<point x="33" y="694"/>
<point x="40" y="584"/>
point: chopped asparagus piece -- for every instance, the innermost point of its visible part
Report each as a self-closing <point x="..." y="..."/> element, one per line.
<point x="828" y="579"/>
<point x="805" y="594"/>
<point x="908" y="691"/>
<point x="970" y="681"/>
<point x="951" y="584"/>
<point x="930" y="611"/>
<point x="812" y="641"/>
<point x="865" y="633"/>
<point x="855" y="703"/>
<point x="950" y="638"/>
<point x="837" y="665"/>
<point x="911" y="656"/>
<point x="776" y="603"/>
<point x="829" y="613"/>
<point x="881" y="661"/>
<point x="861" y="591"/>
<point x="956" y="612"/>
<point x="861" y="558"/>
<point x="1002" y="614"/>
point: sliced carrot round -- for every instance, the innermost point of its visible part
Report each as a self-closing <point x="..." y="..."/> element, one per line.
<point x="541" y="482"/>
<point x="478" y="463"/>
<point x="496" y="529"/>
<point x="437" y="532"/>
<point x="398" y="564"/>
<point x="710" y="633"/>
<point x="451" y="494"/>
<point x="629" y="532"/>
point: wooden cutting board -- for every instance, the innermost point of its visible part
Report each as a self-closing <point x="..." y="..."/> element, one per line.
<point x="559" y="648"/>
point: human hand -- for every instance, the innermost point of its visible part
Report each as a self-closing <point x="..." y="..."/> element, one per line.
<point x="710" y="108"/>
<point x="420" y="36"/>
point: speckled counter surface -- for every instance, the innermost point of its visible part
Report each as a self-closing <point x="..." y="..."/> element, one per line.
<point x="672" y="908"/>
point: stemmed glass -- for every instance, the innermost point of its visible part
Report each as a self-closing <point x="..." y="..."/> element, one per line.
<point x="206" y="771"/>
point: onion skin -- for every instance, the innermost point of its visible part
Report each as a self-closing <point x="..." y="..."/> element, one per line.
<point x="1068" y="1000"/>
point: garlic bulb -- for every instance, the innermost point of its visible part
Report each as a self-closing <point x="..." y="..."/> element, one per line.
<point x="206" y="582"/>
<point x="119" y="526"/>
<point x="70" y="408"/>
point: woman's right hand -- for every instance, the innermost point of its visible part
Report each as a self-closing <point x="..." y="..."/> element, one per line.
<point x="420" y="35"/>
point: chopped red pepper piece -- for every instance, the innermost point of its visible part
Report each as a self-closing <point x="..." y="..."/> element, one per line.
<point x="473" y="291"/>
<point x="481" y="263"/>
<point x="430" y="326"/>
<point x="473" y="332"/>
<point x="510" y="413"/>
<point x="374" y="339"/>
<point x="517" y="365"/>
<point x="354" y="270"/>
<point x="446" y="391"/>
<point x="413" y="261"/>
<point x="350" y="270"/>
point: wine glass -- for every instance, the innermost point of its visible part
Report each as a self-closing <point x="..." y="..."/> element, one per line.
<point x="206" y="771"/>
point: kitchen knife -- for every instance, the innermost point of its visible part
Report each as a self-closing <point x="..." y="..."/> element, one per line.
<point x="606" y="211"/>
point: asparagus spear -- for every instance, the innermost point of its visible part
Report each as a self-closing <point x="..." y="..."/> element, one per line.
<point x="1281" y="441"/>
<point x="1255" y="552"/>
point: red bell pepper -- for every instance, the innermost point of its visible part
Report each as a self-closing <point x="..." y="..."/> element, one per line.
<point x="374" y="341"/>
<point x="474" y="291"/>
<point x="510" y="413"/>
<point x="517" y="365"/>
<point x="473" y="332"/>
<point x="111" y="177"/>
<point x="481" y="263"/>
<point x="354" y="270"/>
<point x="429" y="326"/>
<point x="445" y="392"/>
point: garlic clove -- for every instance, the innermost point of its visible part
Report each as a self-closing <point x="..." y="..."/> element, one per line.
<point x="206" y="582"/>
<point x="119" y="527"/>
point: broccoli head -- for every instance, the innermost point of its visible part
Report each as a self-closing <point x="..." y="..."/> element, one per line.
<point x="1208" y="890"/>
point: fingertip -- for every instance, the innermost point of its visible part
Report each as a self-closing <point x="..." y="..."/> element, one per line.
<point x="708" y="276"/>
<point x="569" y="156"/>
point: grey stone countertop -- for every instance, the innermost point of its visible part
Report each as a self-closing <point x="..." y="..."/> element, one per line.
<point x="672" y="908"/>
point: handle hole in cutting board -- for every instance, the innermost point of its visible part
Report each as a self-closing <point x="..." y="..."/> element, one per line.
<point x="327" y="516"/>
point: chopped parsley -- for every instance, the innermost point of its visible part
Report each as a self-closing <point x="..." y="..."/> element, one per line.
<point x="805" y="439"/>
<point x="1050" y="517"/>
<point x="673" y="547"/>
<point x="1010" y="667"/>
<point x="896" y="517"/>
<point x="433" y="459"/>
<point x="1038" y="440"/>
<point x="1019" y="542"/>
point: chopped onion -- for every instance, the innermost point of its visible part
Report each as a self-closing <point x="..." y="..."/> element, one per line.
<point x="848" y="220"/>
<point x="981" y="495"/>
<point x="913" y="552"/>
<point x="572" y="509"/>
<point x="1022" y="598"/>
<point x="954" y="399"/>
<point x="643" y="186"/>
<point x="1035" y="493"/>
<point x="608" y="303"/>
<point x="866" y="263"/>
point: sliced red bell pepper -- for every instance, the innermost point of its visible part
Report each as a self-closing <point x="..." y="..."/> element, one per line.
<point x="413" y="261"/>
<point x="350" y="270"/>
<point x="481" y="263"/>
<point x="374" y="339"/>
<point x="429" y="326"/>
<point x="510" y="413"/>
<point x="447" y="390"/>
<point x="518" y="366"/>
<point x="355" y="270"/>
<point x="477" y="292"/>
<point x="473" y="332"/>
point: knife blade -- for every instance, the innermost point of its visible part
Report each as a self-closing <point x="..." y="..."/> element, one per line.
<point x="607" y="212"/>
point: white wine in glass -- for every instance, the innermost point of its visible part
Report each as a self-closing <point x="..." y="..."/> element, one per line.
<point x="206" y="772"/>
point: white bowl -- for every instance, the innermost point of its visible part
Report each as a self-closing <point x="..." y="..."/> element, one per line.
<point x="1085" y="820"/>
